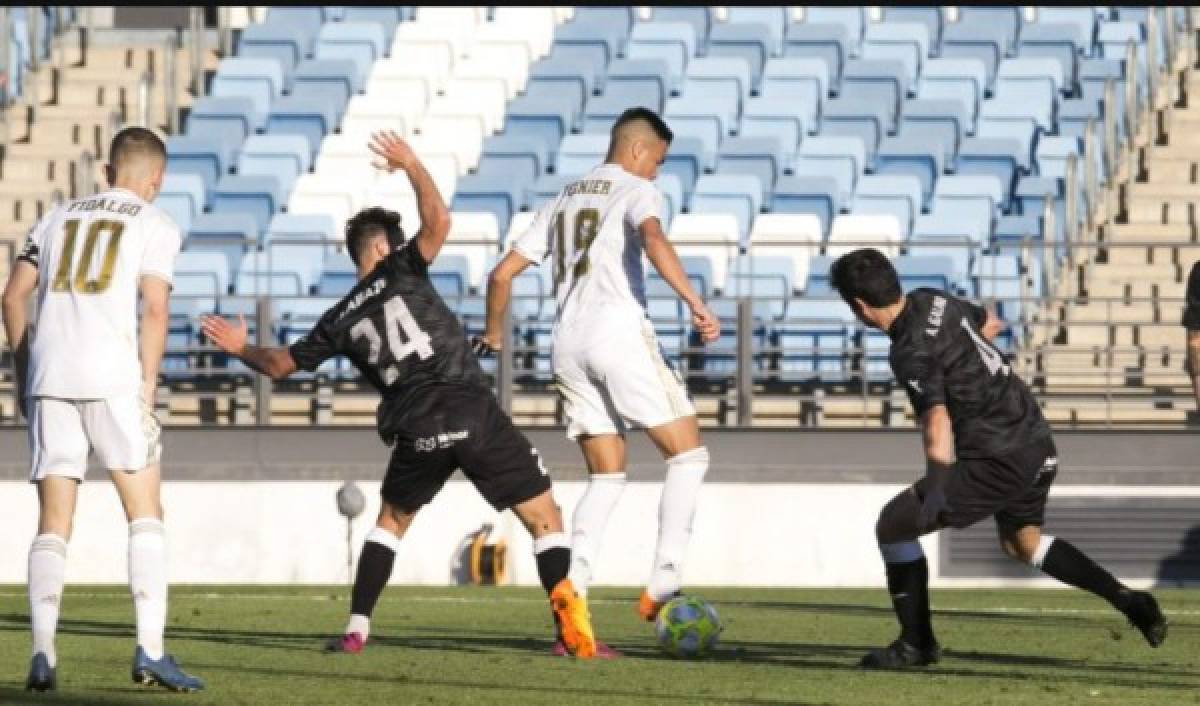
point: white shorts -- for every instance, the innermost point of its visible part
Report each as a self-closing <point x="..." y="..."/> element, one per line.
<point x="122" y="431"/>
<point x="613" y="377"/>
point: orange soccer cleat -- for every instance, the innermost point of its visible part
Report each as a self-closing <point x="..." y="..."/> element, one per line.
<point x="574" y="621"/>
<point x="648" y="608"/>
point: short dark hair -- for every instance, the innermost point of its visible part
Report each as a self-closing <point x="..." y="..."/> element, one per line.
<point x="368" y="223"/>
<point x="868" y="275"/>
<point x="133" y="143"/>
<point x="648" y="116"/>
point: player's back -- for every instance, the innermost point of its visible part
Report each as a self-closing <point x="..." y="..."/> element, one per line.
<point x="937" y="341"/>
<point x="90" y="254"/>
<point x="590" y="231"/>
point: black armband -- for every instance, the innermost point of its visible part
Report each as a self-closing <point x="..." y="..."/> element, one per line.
<point x="938" y="472"/>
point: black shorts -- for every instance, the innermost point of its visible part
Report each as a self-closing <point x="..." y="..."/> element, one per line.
<point x="452" y="427"/>
<point x="1012" y="488"/>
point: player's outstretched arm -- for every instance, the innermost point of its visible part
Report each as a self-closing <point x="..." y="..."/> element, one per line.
<point x="21" y="283"/>
<point x="275" y="363"/>
<point x="993" y="326"/>
<point x="394" y="153"/>
<point x="937" y="433"/>
<point x="499" y="292"/>
<point x="152" y="331"/>
<point x="662" y="255"/>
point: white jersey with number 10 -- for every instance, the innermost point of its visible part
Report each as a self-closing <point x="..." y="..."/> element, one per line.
<point x="591" y="233"/>
<point x="90" y="253"/>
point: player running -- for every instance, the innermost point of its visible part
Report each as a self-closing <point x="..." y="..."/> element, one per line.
<point x="87" y="374"/>
<point x="437" y="408"/>
<point x="608" y="366"/>
<point x="989" y="452"/>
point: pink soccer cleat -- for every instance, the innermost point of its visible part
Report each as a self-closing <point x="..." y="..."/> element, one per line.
<point x="351" y="643"/>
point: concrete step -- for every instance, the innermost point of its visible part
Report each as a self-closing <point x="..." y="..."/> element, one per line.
<point x="1150" y="231"/>
<point x="1151" y="209"/>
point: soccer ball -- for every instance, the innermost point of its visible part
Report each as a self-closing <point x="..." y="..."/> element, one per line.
<point x="687" y="627"/>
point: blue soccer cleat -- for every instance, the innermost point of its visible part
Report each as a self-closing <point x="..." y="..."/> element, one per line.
<point x="163" y="672"/>
<point x="41" y="674"/>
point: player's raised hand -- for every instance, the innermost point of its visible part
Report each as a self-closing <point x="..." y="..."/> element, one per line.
<point x="393" y="152"/>
<point x="705" y="323"/>
<point x="224" y="335"/>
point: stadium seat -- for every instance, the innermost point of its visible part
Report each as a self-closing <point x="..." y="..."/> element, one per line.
<point x="199" y="156"/>
<point x="843" y="159"/>
<point x="284" y="157"/>
<point x="904" y="42"/>
<point x="306" y="21"/>
<point x="994" y="157"/>
<point x="815" y="338"/>
<point x="332" y="81"/>
<point x="259" y="79"/>
<point x="686" y="160"/>
<point x="328" y="194"/>
<point x="883" y="83"/>
<point x="693" y="116"/>
<point x="582" y="44"/>
<point x="700" y="18"/>
<point x="793" y="236"/>
<point x="853" y="231"/>
<point x="974" y="186"/>
<point x="936" y="121"/>
<point x="961" y="80"/>
<point x="387" y="17"/>
<point x="338" y="276"/>
<point x="287" y="227"/>
<point x="1001" y="119"/>
<point x="982" y="41"/>
<point x="930" y="271"/>
<point x="429" y="62"/>
<point x="802" y="81"/>
<point x="262" y="274"/>
<point x="201" y="273"/>
<point x="284" y="43"/>
<point x="725" y="81"/>
<point x="1077" y="24"/>
<point x="638" y="82"/>
<point x="618" y="19"/>
<point x="826" y="43"/>
<point x="358" y="42"/>
<point x="1003" y="21"/>
<point x="225" y="121"/>
<point x="820" y="197"/>
<point x="181" y="197"/>
<point x="260" y="196"/>
<point x="670" y="42"/>
<point x="555" y="76"/>
<point x="775" y="19"/>
<point x="579" y="154"/>
<point x="859" y="118"/>
<point x="930" y="16"/>
<point x="519" y="154"/>
<point x="309" y="118"/>
<point x="713" y="236"/>
<point x="898" y="195"/>
<point x="496" y="194"/>
<point x="921" y="157"/>
<point x="756" y="156"/>
<point x="543" y="118"/>
<point x="933" y="236"/>
<point x="476" y="237"/>
<point x="226" y="233"/>
<point x="737" y="194"/>
<point x="1052" y="153"/>
<point x="971" y="216"/>
<point x="777" y="118"/>
<point x="852" y="20"/>
<point x="1058" y="42"/>
<point x="766" y="280"/>
<point x="749" y="41"/>
<point x="602" y="112"/>
<point x="547" y="187"/>
<point x="672" y="191"/>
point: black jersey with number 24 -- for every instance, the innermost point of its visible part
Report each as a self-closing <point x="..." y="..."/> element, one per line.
<point x="395" y="328"/>
<point x="940" y="356"/>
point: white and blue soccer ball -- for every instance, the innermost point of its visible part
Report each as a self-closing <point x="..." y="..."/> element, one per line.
<point x="687" y="627"/>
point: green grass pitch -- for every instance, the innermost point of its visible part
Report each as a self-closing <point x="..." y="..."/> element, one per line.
<point x="472" y="645"/>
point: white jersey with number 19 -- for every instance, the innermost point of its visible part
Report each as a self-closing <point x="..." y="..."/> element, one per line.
<point x="591" y="230"/>
<point x="90" y="253"/>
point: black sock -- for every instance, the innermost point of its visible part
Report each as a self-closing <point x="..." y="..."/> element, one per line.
<point x="908" y="582"/>
<point x="553" y="565"/>
<point x="1071" y="566"/>
<point x="374" y="570"/>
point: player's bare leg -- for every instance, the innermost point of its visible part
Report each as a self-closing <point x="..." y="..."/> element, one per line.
<point x="605" y="458"/>
<point x="375" y="564"/>
<point x="140" y="498"/>
<point x="1062" y="560"/>
<point x="542" y="518"/>
<point x="47" y="572"/>
<point x="687" y="463"/>
<point x="897" y="530"/>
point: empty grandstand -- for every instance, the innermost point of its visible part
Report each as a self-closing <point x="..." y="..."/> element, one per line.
<point x="1040" y="159"/>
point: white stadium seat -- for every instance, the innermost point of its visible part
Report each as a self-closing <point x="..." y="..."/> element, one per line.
<point x="792" y="235"/>
<point x="881" y="231"/>
<point x="710" y="235"/>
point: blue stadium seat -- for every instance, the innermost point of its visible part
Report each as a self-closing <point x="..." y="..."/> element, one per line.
<point x="1030" y="196"/>
<point x="700" y="18"/>
<point x="579" y="154"/>
<point x="972" y="217"/>
<point x="826" y="43"/>
<point x="897" y="194"/>
<point x="996" y="123"/>
<point x="181" y="197"/>
<point x="672" y="190"/>
<point x="615" y="19"/>
<point x="935" y="120"/>
<point x="555" y="76"/>
<point x="522" y="155"/>
<point x="982" y="41"/>
<point x="1076" y="24"/>
<point x="201" y="156"/>
<point x="988" y="187"/>
<point x="852" y="20"/>
<point x="330" y="80"/>
<point x="802" y="81"/>
<point x="884" y="83"/>
<point x="777" y="118"/>
<point x="285" y="157"/>
<point x="692" y="116"/>
<point x="285" y="44"/>
<point x="1004" y="23"/>
<point x="932" y="271"/>
<point x="671" y="42"/>
<point x="904" y="42"/>
<point x="301" y="226"/>
<point x="225" y="233"/>
<point x="933" y="236"/>
<point x="496" y="194"/>
<point x="758" y="156"/>
<point x="1113" y="39"/>
<point x="260" y="196"/>
<point x="961" y="80"/>
<point x="306" y="21"/>
<point x="856" y="117"/>
<point x="602" y="112"/>
<point x="815" y="338"/>
<point x="262" y="275"/>
<point x="818" y="195"/>
<point x="200" y="273"/>
<point x="1094" y="73"/>
<point x="685" y="160"/>
<point x="737" y="194"/>
<point x="930" y="16"/>
<point x="386" y="16"/>
<point x="225" y="121"/>
<point x="750" y="41"/>
<point x="588" y="45"/>
<point x="775" y="19"/>
<point x="338" y="276"/>
<point x="547" y="187"/>
<point x="999" y="158"/>
<point x="1052" y="153"/>
<point x="449" y="276"/>
<point x="361" y="43"/>
<point x="723" y="81"/>
<point x="840" y="158"/>
<point x="1012" y="230"/>
<point x="1058" y="42"/>
<point x="544" y="119"/>
<point x="767" y="280"/>
<point x="260" y="80"/>
<point x="638" y="82"/>
<point x="310" y="118"/>
<point x="921" y="158"/>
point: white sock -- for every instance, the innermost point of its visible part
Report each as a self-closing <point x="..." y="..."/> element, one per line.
<point x="591" y="516"/>
<point x="360" y="624"/>
<point x="681" y="489"/>
<point x="47" y="573"/>
<point x="148" y="582"/>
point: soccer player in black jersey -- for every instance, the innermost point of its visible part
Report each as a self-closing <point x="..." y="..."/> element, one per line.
<point x="988" y="449"/>
<point x="438" y="411"/>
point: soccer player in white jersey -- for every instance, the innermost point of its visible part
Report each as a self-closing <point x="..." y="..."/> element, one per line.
<point x="608" y="366"/>
<point x="86" y="374"/>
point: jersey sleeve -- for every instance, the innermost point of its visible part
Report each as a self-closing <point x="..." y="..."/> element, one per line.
<point x="318" y="345"/>
<point x="921" y="374"/>
<point x="976" y="314"/>
<point x="35" y="241"/>
<point x="646" y="203"/>
<point x="162" y="246"/>
<point x="410" y="255"/>
<point x="534" y="243"/>
<point x="1191" y="308"/>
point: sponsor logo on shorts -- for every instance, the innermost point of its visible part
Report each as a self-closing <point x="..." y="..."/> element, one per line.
<point x="440" y="441"/>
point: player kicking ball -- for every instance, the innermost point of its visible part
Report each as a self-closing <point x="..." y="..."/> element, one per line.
<point x="608" y="367"/>
<point x="87" y="373"/>
<point x="988" y="449"/>
<point x="438" y="411"/>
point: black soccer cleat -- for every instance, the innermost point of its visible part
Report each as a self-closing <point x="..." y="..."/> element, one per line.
<point x="1144" y="614"/>
<point x="42" y="676"/>
<point x="900" y="655"/>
